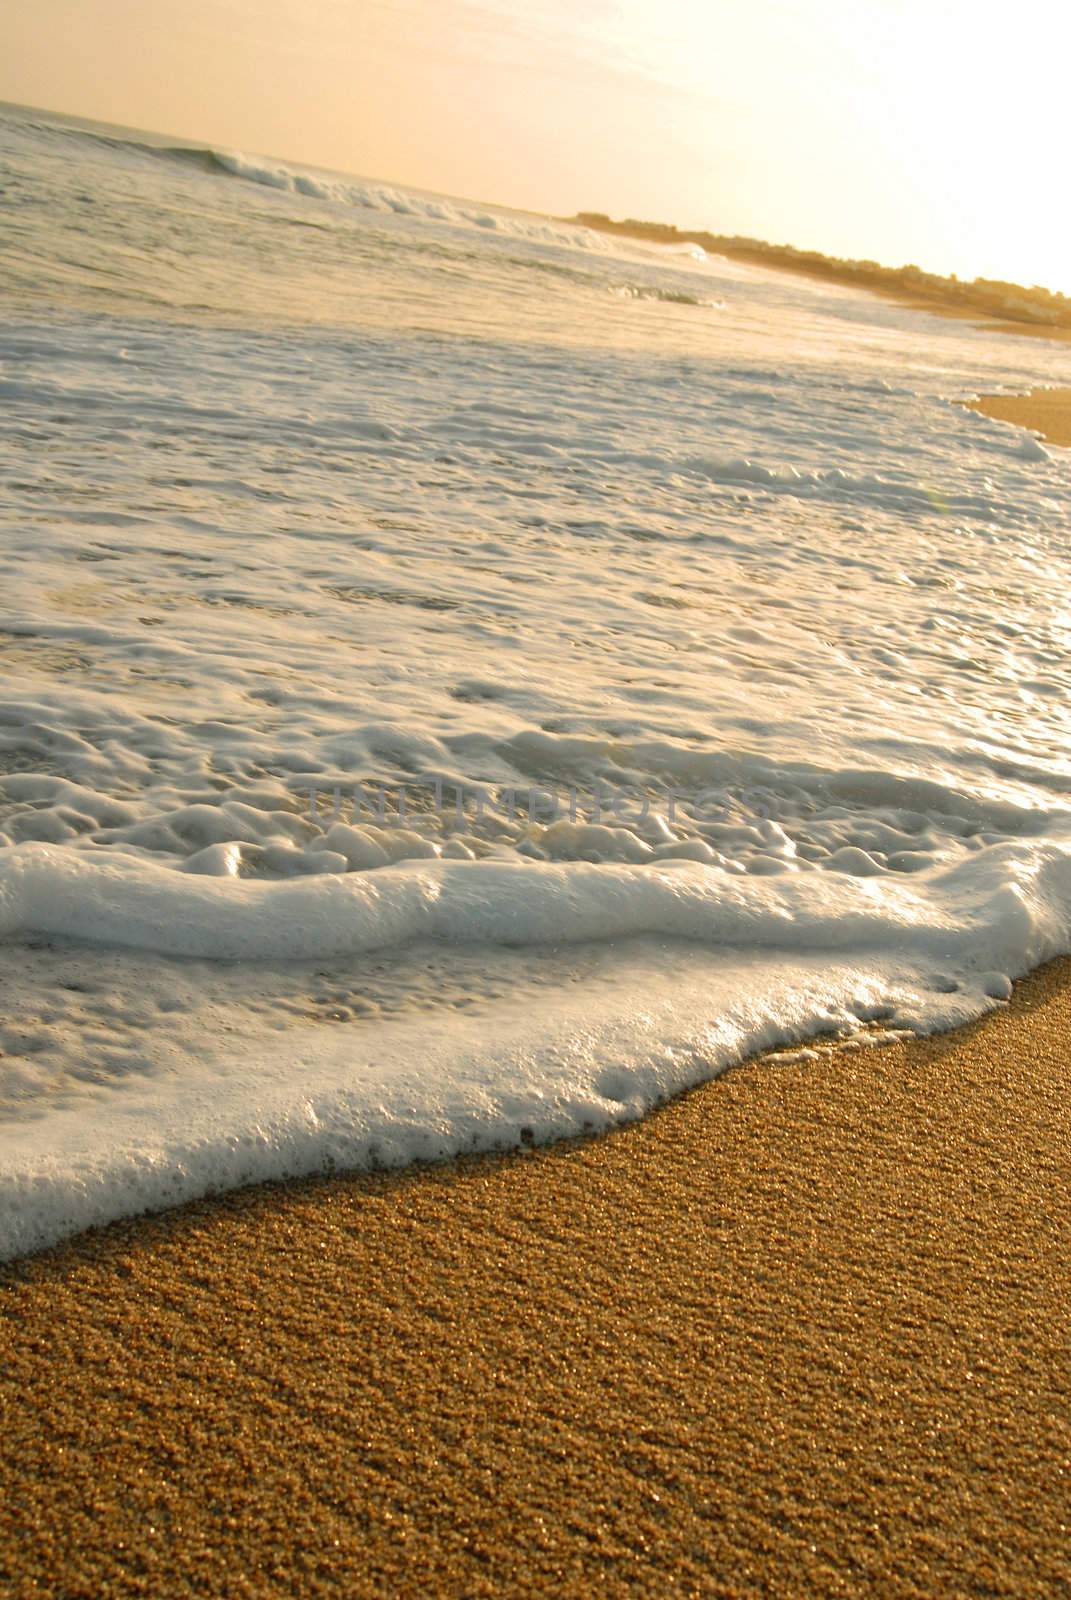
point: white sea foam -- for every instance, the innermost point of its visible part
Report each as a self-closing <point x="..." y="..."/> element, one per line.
<point x="181" y="1106"/>
<point x="404" y="202"/>
<point x="317" y="486"/>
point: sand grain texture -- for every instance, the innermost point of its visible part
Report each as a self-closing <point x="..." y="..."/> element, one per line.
<point x="1046" y="410"/>
<point x="805" y="1332"/>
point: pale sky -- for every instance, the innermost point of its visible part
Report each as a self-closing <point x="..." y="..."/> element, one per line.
<point x="931" y="131"/>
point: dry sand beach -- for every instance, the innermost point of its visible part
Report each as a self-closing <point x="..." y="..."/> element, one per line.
<point x="1046" y="410"/>
<point x="804" y="1332"/>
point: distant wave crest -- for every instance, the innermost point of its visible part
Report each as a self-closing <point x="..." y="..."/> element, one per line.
<point x="673" y="297"/>
<point x="368" y="196"/>
<point x="360" y="193"/>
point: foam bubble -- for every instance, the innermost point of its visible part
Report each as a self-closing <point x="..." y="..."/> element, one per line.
<point x="741" y="647"/>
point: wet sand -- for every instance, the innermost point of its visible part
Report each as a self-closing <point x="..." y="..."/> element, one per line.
<point x="805" y="1332"/>
<point x="1047" y="410"/>
<point x="1028" y="330"/>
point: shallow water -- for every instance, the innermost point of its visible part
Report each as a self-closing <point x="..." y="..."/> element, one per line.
<point x="718" y="656"/>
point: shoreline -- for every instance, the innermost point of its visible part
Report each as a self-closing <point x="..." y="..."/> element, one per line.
<point x="828" y="269"/>
<point x="806" y="1329"/>
<point x="1044" y="411"/>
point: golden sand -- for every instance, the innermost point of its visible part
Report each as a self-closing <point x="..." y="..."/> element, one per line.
<point x="1047" y="410"/>
<point x="806" y="1332"/>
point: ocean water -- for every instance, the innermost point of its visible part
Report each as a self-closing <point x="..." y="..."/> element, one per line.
<point x="466" y="679"/>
